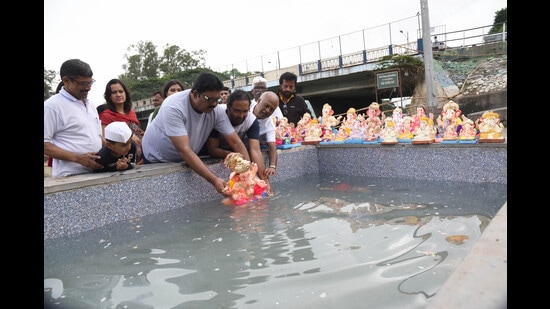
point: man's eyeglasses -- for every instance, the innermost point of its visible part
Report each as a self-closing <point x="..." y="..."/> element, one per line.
<point x="84" y="84"/>
<point x="285" y="110"/>
<point x="210" y="100"/>
<point x="260" y="88"/>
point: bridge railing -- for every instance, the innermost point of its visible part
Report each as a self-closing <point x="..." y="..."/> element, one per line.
<point x="348" y="50"/>
<point x="355" y="48"/>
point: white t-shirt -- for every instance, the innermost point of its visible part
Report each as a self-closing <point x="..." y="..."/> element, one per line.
<point x="70" y="125"/>
<point x="241" y="130"/>
<point x="267" y="127"/>
<point x="177" y="118"/>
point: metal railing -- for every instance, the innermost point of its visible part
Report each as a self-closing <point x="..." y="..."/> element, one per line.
<point x="355" y="48"/>
<point x="350" y="43"/>
<point x="348" y="50"/>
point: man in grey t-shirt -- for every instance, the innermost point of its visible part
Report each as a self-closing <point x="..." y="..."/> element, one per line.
<point x="183" y="124"/>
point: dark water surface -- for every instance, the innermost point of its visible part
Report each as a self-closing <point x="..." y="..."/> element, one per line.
<point x="320" y="242"/>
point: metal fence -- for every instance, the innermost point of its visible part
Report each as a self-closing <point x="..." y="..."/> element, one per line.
<point x="366" y="45"/>
<point x="351" y="49"/>
<point x="396" y="32"/>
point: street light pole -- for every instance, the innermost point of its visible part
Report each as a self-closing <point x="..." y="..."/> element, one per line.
<point x="418" y="34"/>
<point x="404" y="35"/>
<point x="262" y="60"/>
<point x="431" y="97"/>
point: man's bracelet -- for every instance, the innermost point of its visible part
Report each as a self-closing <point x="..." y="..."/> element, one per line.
<point x="273" y="166"/>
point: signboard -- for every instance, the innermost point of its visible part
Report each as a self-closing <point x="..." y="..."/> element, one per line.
<point x="387" y="80"/>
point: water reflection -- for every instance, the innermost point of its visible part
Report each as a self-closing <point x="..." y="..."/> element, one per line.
<point x="321" y="241"/>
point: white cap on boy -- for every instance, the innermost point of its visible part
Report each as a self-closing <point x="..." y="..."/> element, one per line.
<point x="118" y="131"/>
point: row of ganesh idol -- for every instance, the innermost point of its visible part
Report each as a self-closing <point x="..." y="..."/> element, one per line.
<point x="374" y="127"/>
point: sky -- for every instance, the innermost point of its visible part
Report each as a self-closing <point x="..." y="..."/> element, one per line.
<point x="99" y="32"/>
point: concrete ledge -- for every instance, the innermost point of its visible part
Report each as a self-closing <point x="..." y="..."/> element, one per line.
<point x="475" y="163"/>
<point x="52" y="185"/>
<point x="481" y="279"/>
<point x="83" y="202"/>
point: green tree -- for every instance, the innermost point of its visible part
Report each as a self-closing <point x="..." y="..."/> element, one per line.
<point x="144" y="89"/>
<point x="501" y="17"/>
<point x="145" y="72"/>
<point x="50" y="83"/>
<point x="176" y="60"/>
<point x="142" y="62"/>
<point x="190" y="75"/>
<point x="235" y="73"/>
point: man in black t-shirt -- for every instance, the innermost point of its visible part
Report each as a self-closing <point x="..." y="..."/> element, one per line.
<point x="292" y="105"/>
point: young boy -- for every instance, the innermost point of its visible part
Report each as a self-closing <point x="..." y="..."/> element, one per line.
<point x="119" y="152"/>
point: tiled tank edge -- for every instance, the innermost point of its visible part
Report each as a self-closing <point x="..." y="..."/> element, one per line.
<point x="88" y="202"/>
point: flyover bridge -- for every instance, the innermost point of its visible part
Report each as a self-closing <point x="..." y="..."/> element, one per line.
<point x="341" y="70"/>
<point x="349" y="77"/>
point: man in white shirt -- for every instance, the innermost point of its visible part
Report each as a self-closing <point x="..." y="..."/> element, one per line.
<point x="72" y="129"/>
<point x="263" y="109"/>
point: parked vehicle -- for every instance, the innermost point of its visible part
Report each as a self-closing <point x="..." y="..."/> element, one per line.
<point x="439" y="46"/>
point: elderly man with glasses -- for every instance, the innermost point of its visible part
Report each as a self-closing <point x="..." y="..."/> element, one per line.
<point x="259" y="86"/>
<point x="72" y="129"/>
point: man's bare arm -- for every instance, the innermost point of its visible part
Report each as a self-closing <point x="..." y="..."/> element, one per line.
<point x="257" y="157"/>
<point x="272" y="155"/>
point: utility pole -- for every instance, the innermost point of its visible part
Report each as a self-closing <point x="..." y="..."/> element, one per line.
<point x="431" y="96"/>
<point x="403" y="35"/>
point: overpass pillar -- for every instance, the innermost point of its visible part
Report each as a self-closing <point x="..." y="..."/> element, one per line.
<point x="420" y="45"/>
